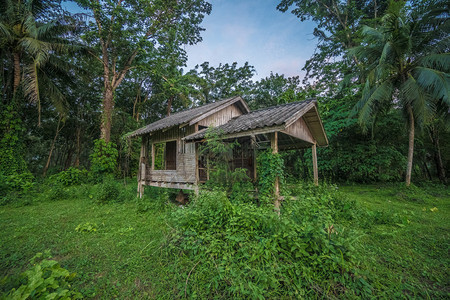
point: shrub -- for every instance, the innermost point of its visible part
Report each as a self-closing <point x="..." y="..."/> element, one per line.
<point x="254" y="253"/>
<point x="45" y="279"/>
<point x="103" y="159"/>
<point x="20" y="182"/>
<point x="57" y="192"/>
<point x="155" y="199"/>
<point x="112" y="191"/>
<point x="71" y="176"/>
<point x="270" y="166"/>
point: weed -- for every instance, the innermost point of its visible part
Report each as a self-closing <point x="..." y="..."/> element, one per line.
<point x="45" y="279"/>
<point x="86" y="227"/>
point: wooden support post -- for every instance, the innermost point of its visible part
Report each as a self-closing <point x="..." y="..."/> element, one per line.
<point x="142" y="167"/>
<point x="253" y="139"/>
<point x="197" y="175"/>
<point x="315" y="169"/>
<point x="153" y="156"/>
<point x="274" y="146"/>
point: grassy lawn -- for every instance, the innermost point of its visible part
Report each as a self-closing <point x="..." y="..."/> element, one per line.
<point x="402" y="250"/>
<point x="405" y="251"/>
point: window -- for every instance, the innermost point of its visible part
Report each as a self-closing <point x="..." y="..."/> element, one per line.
<point x="166" y="156"/>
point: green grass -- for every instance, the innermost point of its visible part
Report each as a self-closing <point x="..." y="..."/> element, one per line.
<point x="405" y="249"/>
<point x="401" y="247"/>
<point x="118" y="259"/>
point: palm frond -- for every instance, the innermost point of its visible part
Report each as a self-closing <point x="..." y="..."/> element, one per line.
<point x="435" y="82"/>
<point x="30" y="83"/>
<point x="372" y="98"/>
<point x="411" y="93"/>
<point x="439" y="61"/>
<point x="54" y="94"/>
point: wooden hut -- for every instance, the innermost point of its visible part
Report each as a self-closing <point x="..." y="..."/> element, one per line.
<point x="170" y="155"/>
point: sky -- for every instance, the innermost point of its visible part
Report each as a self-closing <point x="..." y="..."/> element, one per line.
<point x="254" y="31"/>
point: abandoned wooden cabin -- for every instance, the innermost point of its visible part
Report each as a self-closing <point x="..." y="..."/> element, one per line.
<point x="170" y="154"/>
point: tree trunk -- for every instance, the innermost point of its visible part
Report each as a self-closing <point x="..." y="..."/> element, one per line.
<point x="68" y="161"/>
<point x="434" y="135"/>
<point x="410" y="145"/>
<point x="52" y="147"/>
<point x="169" y="105"/>
<point x="16" y="58"/>
<point x="77" y="158"/>
<point x="108" y="106"/>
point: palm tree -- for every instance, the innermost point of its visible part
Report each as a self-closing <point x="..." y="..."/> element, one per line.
<point x="33" y="45"/>
<point x="406" y="64"/>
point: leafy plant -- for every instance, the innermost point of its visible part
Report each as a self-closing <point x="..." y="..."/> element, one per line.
<point x="254" y="253"/>
<point x="103" y="159"/>
<point x="57" y="192"/>
<point x="45" y="279"/>
<point x="217" y="154"/>
<point x="71" y="176"/>
<point x="86" y="227"/>
<point x="270" y="166"/>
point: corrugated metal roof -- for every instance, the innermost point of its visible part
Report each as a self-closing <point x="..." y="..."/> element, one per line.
<point x="184" y="116"/>
<point x="267" y="117"/>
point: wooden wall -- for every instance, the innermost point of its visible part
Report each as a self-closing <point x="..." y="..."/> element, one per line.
<point x="221" y="117"/>
<point x="185" y="158"/>
<point x="299" y="129"/>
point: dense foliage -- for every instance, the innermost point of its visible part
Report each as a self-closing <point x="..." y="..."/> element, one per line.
<point x="327" y="242"/>
<point x="73" y="86"/>
<point x="255" y="253"/>
<point x="45" y="279"/>
<point x="151" y="83"/>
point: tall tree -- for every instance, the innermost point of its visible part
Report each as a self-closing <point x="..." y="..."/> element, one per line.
<point x="406" y="65"/>
<point x="223" y="81"/>
<point x="121" y="30"/>
<point x="276" y="89"/>
<point x="34" y="41"/>
<point x="337" y="26"/>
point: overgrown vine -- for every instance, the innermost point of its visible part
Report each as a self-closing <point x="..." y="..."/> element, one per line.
<point x="270" y="166"/>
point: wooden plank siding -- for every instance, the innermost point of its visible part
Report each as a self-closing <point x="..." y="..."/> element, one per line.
<point x="185" y="174"/>
<point x="221" y="117"/>
<point x="300" y="130"/>
<point x="289" y="126"/>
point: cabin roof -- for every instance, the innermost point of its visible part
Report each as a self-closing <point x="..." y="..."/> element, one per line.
<point x="275" y="116"/>
<point x="190" y="116"/>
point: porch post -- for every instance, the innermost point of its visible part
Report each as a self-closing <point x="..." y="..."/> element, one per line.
<point x="274" y="146"/>
<point x="142" y="167"/>
<point x="315" y="169"/>
<point x="197" y="175"/>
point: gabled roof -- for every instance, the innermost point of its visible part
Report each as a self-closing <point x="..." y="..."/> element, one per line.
<point x="190" y="116"/>
<point x="279" y="117"/>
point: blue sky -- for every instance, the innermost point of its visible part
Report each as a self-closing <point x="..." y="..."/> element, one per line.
<point x="254" y="31"/>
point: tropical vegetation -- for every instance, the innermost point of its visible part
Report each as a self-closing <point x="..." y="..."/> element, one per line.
<point x="74" y="83"/>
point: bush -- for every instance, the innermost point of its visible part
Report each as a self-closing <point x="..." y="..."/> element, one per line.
<point x="71" y="176"/>
<point x="57" y="192"/>
<point x="112" y="191"/>
<point x="155" y="199"/>
<point x="45" y="279"/>
<point x="254" y="253"/>
<point x="20" y="182"/>
<point x="103" y="159"/>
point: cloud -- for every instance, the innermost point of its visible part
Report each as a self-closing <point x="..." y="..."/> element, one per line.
<point x="254" y="31"/>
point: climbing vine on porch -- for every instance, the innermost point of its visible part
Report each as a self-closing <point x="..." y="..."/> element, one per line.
<point x="270" y="166"/>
